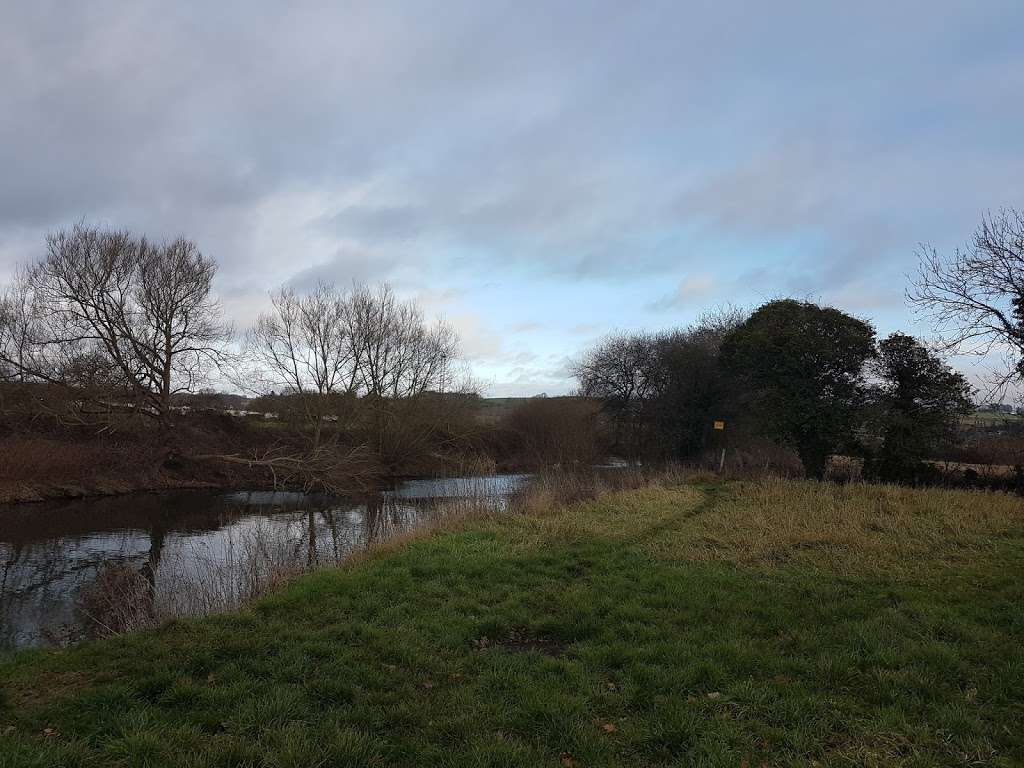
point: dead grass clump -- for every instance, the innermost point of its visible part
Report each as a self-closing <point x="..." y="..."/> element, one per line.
<point x="553" y="490"/>
<point x="518" y="640"/>
<point x="119" y="599"/>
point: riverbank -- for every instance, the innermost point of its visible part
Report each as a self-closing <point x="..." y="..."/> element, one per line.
<point x="56" y="461"/>
<point x="753" y="623"/>
<point x="36" y="469"/>
<point x="207" y="452"/>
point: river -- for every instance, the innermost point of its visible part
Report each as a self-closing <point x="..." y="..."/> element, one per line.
<point x="64" y="565"/>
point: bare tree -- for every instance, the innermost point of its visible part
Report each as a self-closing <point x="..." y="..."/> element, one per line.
<point x="143" y="309"/>
<point x="556" y="431"/>
<point x="401" y="355"/>
<point x="305" y="346"/>
<point x="17" y="330"/>
<point x="618" y="368"/>
<point x="178" y="325"/>
<point x="621" y="371"/>
<point x="975" y="296"/>
<point x="660" y="389"/>
<point x="366" y="343"/>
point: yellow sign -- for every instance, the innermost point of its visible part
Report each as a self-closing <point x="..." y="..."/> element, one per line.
<point x="719" y="425"/>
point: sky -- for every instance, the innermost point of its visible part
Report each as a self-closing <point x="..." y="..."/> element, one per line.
<point x="537" y="173"/>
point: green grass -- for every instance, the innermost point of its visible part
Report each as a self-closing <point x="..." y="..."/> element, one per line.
<point x="636" y="630"/>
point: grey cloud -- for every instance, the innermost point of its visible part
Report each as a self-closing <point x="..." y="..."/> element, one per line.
<point x="547" y="130"/>
<point x="563" y="141"/>
<point x="349" y="264"/>
<point x="692" y="289"/>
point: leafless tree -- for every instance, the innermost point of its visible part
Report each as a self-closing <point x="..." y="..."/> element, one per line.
<point x="975" y="296"/>
<point x="178" y="324"/>
<point x="401" y="355"/>
<point x="17" y="330"/>
<point x="620" y="370"/>
<point x="327" y="346"/>
<point x="557" y="431"/>
<point x="304" y="346"/>
<point x="660" y="388"/>
<point x="144" y="310"/>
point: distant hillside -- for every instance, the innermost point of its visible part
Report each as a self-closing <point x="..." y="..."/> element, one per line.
<point x="494" y="409"/>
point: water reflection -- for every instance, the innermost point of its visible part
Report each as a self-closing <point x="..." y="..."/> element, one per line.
<point x="195" y="551"/>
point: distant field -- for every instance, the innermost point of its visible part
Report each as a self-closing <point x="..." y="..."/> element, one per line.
<point x="494" y="409"/>
<point x="744" y="624"/>
<point x="988" y="417"/>
<point x="983" y="470"/>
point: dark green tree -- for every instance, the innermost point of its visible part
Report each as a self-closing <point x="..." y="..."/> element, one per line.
<point x="691" y="390"/>
<point x="800" y="368"/>
<point x="917" y="404"/>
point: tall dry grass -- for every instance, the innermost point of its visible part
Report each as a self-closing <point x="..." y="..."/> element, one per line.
<point x="854" y="527"/>
<point x="769" y="522"/>
<point x="555" y="490"/>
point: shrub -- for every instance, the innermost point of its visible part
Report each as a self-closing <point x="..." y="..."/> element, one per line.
<point x="563" y="431"/>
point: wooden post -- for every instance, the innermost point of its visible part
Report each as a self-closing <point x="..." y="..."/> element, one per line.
<point x="720" y="427"/>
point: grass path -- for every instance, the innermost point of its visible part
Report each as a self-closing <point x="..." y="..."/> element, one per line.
<point x="646" y="628"/>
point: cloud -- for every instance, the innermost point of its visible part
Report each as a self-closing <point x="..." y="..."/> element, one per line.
<point x="478" y="342"/>
<point x="692" y="289"/>
<point x="578" y="147"/>
<point x="350" y="263"/>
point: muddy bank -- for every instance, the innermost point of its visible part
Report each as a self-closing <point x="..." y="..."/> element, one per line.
<point x="15" y="491"/>
<point x="19" y="493"/>
<point x="40" y="467"/>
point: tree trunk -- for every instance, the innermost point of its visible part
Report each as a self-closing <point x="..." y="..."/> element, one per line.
<point x="815" y="460"/>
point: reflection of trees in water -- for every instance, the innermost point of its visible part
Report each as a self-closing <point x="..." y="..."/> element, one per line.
<point x="41" y="580"/>
<point x="332" y="532"/>
<point x="205" y="565"/>
<point x="157" y="534"/>
<point x="388" y="516"/>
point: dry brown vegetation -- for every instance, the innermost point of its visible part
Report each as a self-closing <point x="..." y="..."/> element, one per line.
<point x="31" y="467"/>
<point x="564" y="431"/>
<point x="853" y="527"/>
<point x="849" y="528"/>
<point x="43" y="458"/>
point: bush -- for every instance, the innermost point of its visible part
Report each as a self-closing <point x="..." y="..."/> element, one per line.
<point x="562" y="431"/>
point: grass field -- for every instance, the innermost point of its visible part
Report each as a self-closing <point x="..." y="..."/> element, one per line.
<point x="991" y="417"/>
<point x="745" y="624"/>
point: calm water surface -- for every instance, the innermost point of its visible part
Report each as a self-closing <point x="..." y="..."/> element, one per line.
<point x="197" y="550"/>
